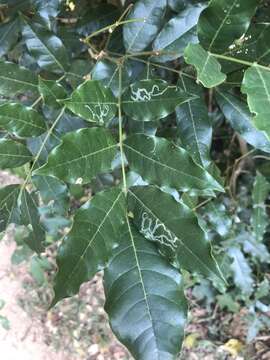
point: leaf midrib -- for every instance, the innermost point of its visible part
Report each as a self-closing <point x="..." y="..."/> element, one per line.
<point x="92" y="239"/>
<point x="145" y="295"/>
<point x="180" y="240"/>
<point x="85" y="156"/>
<point x="45" y="46"/>
<point x="165" y="165"/>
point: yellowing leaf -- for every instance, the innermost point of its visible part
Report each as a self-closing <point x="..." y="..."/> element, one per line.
<point x="233" y="346"/>
<point x="191" y="341"/>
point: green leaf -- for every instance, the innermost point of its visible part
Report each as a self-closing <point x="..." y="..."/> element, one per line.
<point x="178" y="33"/>
<point x="96" y="16"/>
<point x="161" y="162"/>
<point x="15" y="79"/>
<point x="148" y="319"/>
<point x="240" y="119"/>
<point x="241" y="270"/>
<point x="47" y="9"/>
<point x="9" y="33"/>
<point x="224" y="21"/>
<point x="81" y="156"/>
<point x="20" y="207"/>
<point x="218" y="217"/>
<point x="106" y="72"/>
<point x="13" y="154"/>
<point x="179" y="5"/>
<point x="138" y="35"/>
<point x="148" y="100"/>
<point x="88" y="246"/>
<point x="259" y="218"/>
<point x="53" y="193"/>
<point x="256" y="84"/>
<point x="20" y="120"/>
<point x="45" y="47"/>
<point x="177" y="233"/>
<point x="51" y="92"/>
<point x="93" y="102"/>
<point x="30" y="216"/>
<point x="195" y="128"/>
<point x="9" y="212"/>
<point x="21" y="254"/>
<point x="208" y="68"/>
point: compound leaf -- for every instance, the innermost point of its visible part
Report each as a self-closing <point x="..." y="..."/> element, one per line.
<point x="148" y="319"/>
<point x="161" y="162"/>
<point x="208" y="68"/>
<point x="93" y="102"/>
<point x="88" y="246"/>
<point x="82" y="155"/>
<point x="179" y="235"/>
<point x="148" y="100"/>
<point x="21" y="120"/>
<point x="138" y="35"/>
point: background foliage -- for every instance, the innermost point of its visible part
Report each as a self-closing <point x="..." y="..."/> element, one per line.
<point x="141" y="131"/>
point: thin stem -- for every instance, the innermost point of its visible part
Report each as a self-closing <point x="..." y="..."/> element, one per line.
<point x="111" y="27"/>
<point x="121" y="130"/>
<point x="239" y="61"/>
<point x="118" y="21"/>
<point x="37" y="101"/>
<point x="179" y="72"/>
<point x="202" y="204"/>
<point x="151" y="53"/>
<point x="41" y="148"/>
